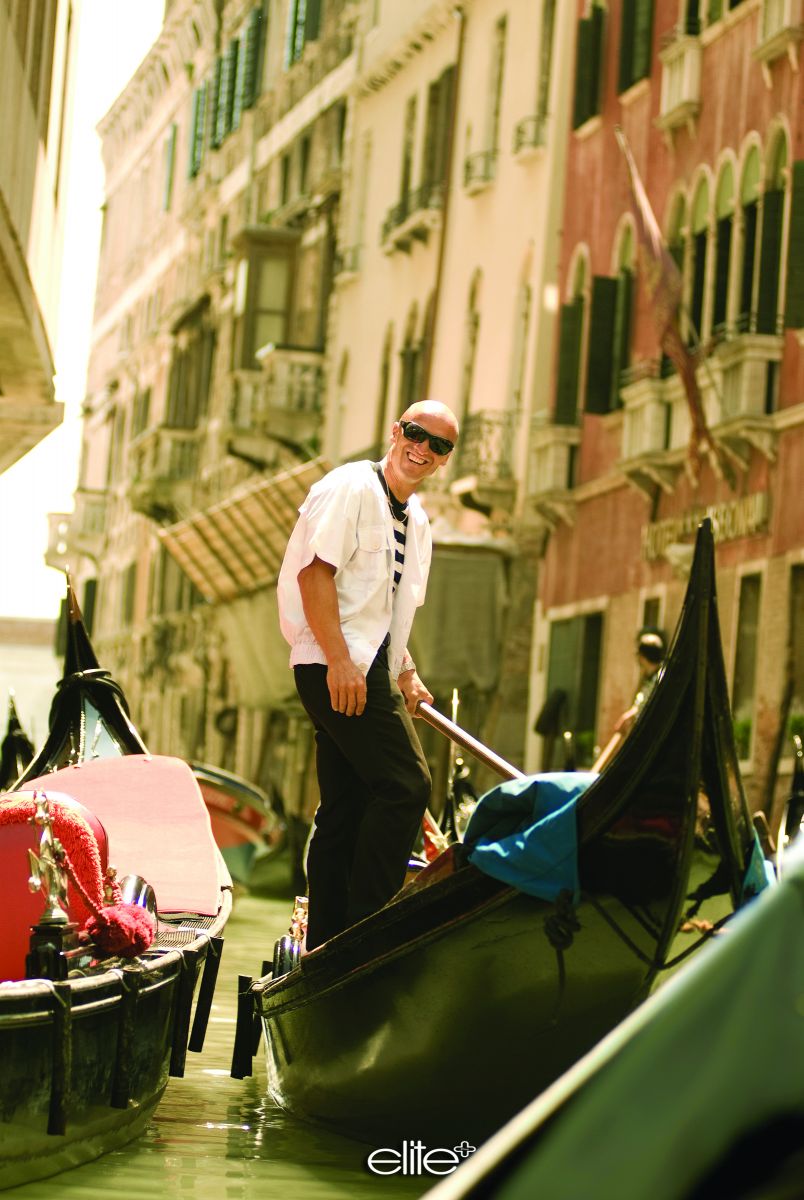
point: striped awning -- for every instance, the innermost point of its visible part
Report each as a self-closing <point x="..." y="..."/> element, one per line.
<point x="236" y="547"/>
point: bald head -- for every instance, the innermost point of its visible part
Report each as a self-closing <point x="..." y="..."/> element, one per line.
<point x="437" y="411"/>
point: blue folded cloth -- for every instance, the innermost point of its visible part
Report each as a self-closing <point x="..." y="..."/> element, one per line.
<point x="524" y="833"/>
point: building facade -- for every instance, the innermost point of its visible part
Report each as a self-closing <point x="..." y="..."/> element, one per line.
<point x="37" y="75"/>
<point x="708" y="95"/>
<point x="319" y="211"/>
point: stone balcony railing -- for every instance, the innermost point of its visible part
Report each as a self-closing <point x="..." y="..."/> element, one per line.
<point x="87" y="531"/>
<point x="483" y="462"/>
<point x="280" y="404"/>
<point x="681" y="82"/>
<point x="164" y="465"/>
<point x="414" y="217"/>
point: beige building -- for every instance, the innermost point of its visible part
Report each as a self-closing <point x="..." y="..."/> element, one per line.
<point x="315" y="214"/>
<point x="37" y="58"/>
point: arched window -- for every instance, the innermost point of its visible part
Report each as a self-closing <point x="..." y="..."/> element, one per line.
<point x="724" y="222"/>
<point x="768" y="306"/>
<point x="570" y="341"/>
<point x="699" y="237"/>
<point x="747" y="250"/>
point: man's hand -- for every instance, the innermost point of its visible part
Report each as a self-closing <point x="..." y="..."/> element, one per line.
<point x="413" y="690"/>
<point x="347" y="687"/>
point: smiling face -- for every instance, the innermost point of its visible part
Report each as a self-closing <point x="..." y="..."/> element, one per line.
<point x="407" y="463"/>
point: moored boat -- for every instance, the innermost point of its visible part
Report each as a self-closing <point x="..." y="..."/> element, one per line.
<point x="103" y="992"/>
<point x="441" y="1015"/>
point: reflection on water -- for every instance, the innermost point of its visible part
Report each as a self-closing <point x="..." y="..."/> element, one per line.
<point x="217" y="1138"/>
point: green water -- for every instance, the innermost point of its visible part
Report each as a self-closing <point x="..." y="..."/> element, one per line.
<point x="217" y="1138"/>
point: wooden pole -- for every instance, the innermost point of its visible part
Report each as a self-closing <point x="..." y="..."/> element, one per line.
<point x="464" y="739"/>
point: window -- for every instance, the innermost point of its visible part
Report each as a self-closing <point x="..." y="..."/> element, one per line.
<point x="141" y="412"/>
<point x="636" y="35"/>
<point x="770" y="244"/>
<point x="496" y="85"/>
<point x="749" y="197"/>
<point x="700" y="241"/>
<point x="610" y="322"/>
<point x="380" y="419"/>
<point x="408" y="135"/>
<point x="190" y="370"/>
<point x="267" y="281"/>
<point x="304" y="164"/>
<point x="724" y="218"/>
<point x="410" y="363"/>
<point x="546" y="58"/>
<point x="588" y="66"/>
<point x="197" y="130"/>
<point x="471" y="331"/>
<point x="169" y="167"/>
<point x="570" y="340"/>
<point x="745" y="663"/>
<point x="270" y="296"/>
<point x="436" y="138"/>
<point x="794" y="300"/>
<point x="127" y="594"/>
<point x="304" y="19"/>
<point x="574" y="668"/>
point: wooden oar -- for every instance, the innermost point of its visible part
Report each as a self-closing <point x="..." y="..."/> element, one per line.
<point x="464" y="739"/>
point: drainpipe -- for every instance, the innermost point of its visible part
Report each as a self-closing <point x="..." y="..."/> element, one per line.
<point x="453" y="120"/>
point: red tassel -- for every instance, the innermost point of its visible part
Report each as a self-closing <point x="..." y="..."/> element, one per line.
<point x="122" y="929"/>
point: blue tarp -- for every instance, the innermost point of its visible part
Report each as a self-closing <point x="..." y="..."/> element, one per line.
<point x="524" y="833"/>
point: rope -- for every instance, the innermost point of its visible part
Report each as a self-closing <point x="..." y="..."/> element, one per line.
<point x="560" y="927"/>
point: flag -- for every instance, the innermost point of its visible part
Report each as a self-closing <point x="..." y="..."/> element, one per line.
<point x="665" y="285"/>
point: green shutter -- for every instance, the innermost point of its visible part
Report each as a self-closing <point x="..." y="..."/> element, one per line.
<point x="170" y="164"/>
<point x="312" y="20"/>
<point x="622" y="333"/>
<point x="794" y="298"/>
<point x="584" y="73"/>
<point x="749" y="254"/>
<point x="770" y="251"/>
<point x="643" y="40"/>
<point x="625" y="76"/>
<point x="251" y="58"/>
<point x="599" y="363"/>
<point x="569" y="355"/>
<point x="237" y="91"/>
<point x="215" y="101"/>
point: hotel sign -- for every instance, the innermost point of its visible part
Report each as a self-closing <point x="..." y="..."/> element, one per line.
<point x="734" y="519"/>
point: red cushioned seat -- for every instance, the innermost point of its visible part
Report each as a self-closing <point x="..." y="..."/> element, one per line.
<point x="83" y="837"/>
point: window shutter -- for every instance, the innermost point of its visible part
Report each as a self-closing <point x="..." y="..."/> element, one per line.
<point x="794" y="299"/>
<point x="569" y="354"/>
<point x="625" y="75"/>
<point x="643" y="40"/>
<point x="622" y="333"/>
<point x="584" y="72"/>
<point x="600" y="359"/>
<point x="770" y="250"/>
<point x="722" y="255"/>
<point x="251" y="56"/>
<point x="749" y="255"/>
<point x="237" y="91"/>
<point x="170" y="164"/>
<point x="429" y="168"/>
<point x="312" y="20"/>
<point x="196" y="139"/>
<point x="215" y="101"/>
<point x="698" y="279"/>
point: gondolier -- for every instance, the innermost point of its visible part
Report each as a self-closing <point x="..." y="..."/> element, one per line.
<point x="355" y="571"/>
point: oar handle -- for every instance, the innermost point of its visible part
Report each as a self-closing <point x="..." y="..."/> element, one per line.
<point x="464" y="739"/>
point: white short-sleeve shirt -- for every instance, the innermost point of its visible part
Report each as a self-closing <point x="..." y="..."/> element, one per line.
<point x="346" y="521"/>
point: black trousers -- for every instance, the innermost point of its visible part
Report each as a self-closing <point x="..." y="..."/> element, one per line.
<point x="375" y="785"/>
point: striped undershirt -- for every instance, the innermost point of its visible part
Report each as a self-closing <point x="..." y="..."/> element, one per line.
<point x="399" y="516"/>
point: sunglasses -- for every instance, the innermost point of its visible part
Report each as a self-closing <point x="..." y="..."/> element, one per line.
<point x="415" y="433"/>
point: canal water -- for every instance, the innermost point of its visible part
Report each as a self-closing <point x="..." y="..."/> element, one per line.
<point x="217" y="1138"/>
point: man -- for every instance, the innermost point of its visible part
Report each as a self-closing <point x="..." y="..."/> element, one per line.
<point x="651" y="649"/>
<point x="354" y="572"/>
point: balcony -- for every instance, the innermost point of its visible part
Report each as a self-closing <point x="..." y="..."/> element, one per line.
<point x="414" y="218"/>
<point x="479" y="171"/>
<point x="681" y="83"/>
<point x="280" y="405"/>
<point x="530" y="136"/>
<point x="551" y="477"/>
<point x="87" y="532"/>
<point x="745" y="371"/>
<point x="781" y="28"/>
<point x="482" y="468"/>
<point x="347" y="263"/>
<point x="164" y="468"/>
<point x="647" y="424"/>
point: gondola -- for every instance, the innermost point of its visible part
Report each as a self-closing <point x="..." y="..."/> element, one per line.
<point x="16" y="750"/>
<point x="109" y="966"/>
<point x="250" y="833"/>
<point x="441" y="1015"/>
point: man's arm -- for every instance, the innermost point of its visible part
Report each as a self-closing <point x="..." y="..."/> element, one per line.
<point x="346" y="683"/>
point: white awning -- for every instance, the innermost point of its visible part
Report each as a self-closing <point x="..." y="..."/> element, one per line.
<point x="236" y="547"/>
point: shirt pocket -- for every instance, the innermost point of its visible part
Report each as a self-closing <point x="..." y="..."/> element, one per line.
<point x="370" y="560"/>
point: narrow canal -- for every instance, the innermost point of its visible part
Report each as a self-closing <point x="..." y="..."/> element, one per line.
<point x="216" y="1138"/>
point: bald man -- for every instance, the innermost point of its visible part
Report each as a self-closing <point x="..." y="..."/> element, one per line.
<point x="354" y="572"/>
